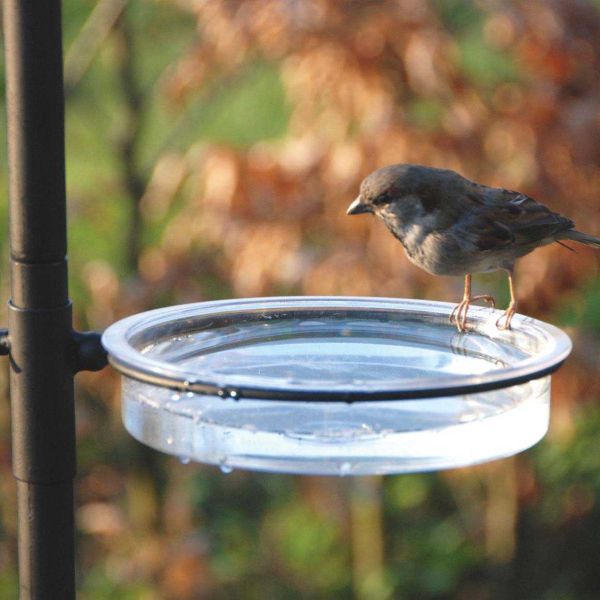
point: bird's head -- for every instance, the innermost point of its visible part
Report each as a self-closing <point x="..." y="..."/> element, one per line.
<point x="404" y="196"/>
<point x="388" y="185"/>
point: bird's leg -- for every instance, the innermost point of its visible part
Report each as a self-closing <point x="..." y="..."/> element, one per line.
<point x="504" y="321"/>
<point x="459" y="312"/>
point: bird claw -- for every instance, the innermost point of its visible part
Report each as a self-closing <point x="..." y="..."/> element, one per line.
<point x="459" y="312"/>
<point x="457" y="316"/>
<point x="486" y="298"/>
<point x="506" y="316"/>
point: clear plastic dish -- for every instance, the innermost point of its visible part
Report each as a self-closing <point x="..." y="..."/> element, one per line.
<point x="334" y="385"/>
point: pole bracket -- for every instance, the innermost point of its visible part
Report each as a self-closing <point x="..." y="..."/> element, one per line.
<point x="4" y="342"/>
<point x="90" y="355"/>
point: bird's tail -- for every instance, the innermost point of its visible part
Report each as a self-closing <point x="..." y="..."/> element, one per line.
<point x="583" y="238"/>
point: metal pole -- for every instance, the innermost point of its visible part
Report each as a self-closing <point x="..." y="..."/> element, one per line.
<point x="42" y="345"/>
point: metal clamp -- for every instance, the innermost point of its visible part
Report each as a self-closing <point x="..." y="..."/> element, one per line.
<point x="88" y="354"/>
<point x="4" y="342"/>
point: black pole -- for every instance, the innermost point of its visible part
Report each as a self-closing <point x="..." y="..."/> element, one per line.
<point x="44" y="351"/>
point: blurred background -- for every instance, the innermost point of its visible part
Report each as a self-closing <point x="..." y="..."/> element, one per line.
<point x="212" y="149"/>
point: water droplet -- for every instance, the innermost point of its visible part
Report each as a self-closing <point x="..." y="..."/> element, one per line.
<point x="225" y="468"/>
<point x="170" y="440"/>
<point x="190" y="395"/>
<point x="189" y="381"/>
<point x="234" y="395"/>
<point x="345" y="468"/>
<point x="176" y="397"/>
<point x="184" y="460"/>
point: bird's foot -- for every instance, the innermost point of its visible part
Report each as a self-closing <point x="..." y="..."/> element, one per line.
<point x="459" y="312"/>
<point x="456" y="316"/>
<point x="503" y="322"/>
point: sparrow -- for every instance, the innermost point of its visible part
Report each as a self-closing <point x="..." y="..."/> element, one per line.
<point x="449" y="225"/>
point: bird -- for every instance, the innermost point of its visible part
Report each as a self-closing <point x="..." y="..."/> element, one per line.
<point x="450" y="225"/>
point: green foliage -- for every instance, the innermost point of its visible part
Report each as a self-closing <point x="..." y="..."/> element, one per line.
<point x="100" y="585"/>
<point x="571" y="464"/>
<point x="429" y="547"/>
<point x="250" y="108"/>
<point x="407" y="492"/>
<point x="425" y="113"/>
<point x="484" y="65"/>
<point x="9" y="584"/>
<point x="583" y="311"/>
<point x="459" y="15"/>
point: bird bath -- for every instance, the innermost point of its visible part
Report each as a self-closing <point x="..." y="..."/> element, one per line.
<point x="334" y="385"/>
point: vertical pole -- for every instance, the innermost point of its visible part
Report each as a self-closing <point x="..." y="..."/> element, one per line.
<point x="41" y="339"/>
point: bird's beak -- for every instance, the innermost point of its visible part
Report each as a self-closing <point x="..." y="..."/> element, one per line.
<point x="357" y="207"/>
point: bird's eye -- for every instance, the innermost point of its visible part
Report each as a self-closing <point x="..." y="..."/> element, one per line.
<point x="381" y="199"/>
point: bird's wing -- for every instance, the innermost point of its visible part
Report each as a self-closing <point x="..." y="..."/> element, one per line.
<point x="506" y="217"/>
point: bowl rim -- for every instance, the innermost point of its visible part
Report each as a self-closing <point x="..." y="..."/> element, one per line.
<point x="132" y="363"/>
